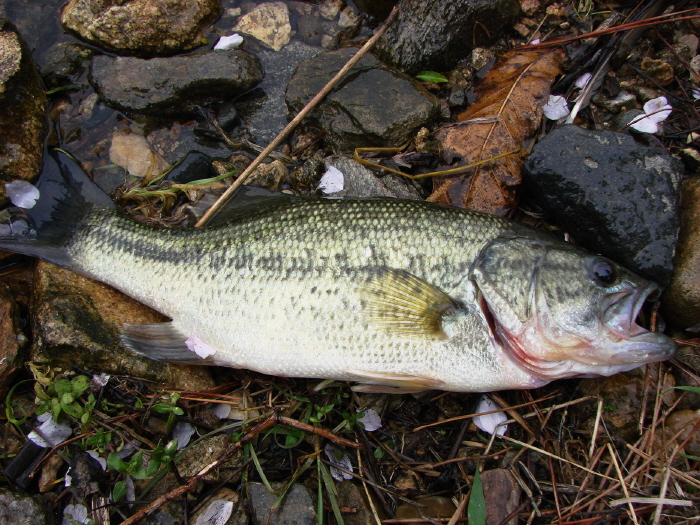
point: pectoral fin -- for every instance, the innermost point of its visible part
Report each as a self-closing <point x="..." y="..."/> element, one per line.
<point x="164" y="342"/>
<point x="387" y="383"/>
<point x="401" y="303"/>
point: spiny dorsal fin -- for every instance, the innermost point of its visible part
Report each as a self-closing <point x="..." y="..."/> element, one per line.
<point x="164" y="342"/>
<point x="401" y="303"/>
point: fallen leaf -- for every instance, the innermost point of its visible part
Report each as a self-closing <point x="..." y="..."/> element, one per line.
<point x="507" y="112"/>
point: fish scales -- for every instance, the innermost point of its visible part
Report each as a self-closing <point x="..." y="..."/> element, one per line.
<point x="397" y="295"/>
<point x="288" y="278"/>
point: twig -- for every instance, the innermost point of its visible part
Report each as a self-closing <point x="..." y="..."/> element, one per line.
<point x="232" y="449"/>
<point x="622" y="483"/>
<point x="295" y="122"/>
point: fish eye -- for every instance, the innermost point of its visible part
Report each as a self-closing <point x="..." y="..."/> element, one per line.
<point x="603" y="272"/>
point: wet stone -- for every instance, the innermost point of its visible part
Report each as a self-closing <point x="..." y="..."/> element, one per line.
<point x="297" y="508"/>
<point x="268" y="23"/>
<point x="194" y="166"/>
<point x="373" y="105"/>
<point x="263" y="111"/>
<point x="76" y="323"/>
<point x="358" y="181"/>
<point x="445" y="33"/>
<point x="681" y="300"/>
<point x="173" y="86"/>
<point x="141" y="27"/>
<point x="613" y="196"/>
<point x="64" y="63"/>
<point x="22" y="110"/>
<point x="20" y="509"/>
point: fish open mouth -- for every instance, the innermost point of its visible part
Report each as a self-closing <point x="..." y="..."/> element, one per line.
<point x="625" y="345"/>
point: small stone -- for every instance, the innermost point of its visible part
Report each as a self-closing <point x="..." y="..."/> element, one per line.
<point x="621" y="102"/>
<point x="556" y="11"/>
<point x="351" y="497"/>
<point x="132" y="152"/>
<point x="695" y="66"/>
<point x="690" y="41"/>
<point x="310" y="29"/>
<point x="329" y="9"/>
<point x="359" y="181"/>
<point x="297" y="508"/>
<point x="348" y="18"/>
<point x="481" y="56"/>
<point x="522" y="30"/>
<point x="678" y="426"/>
<point x="269" y="23"/>
<point x="662" y="72"/>
<point x="530" y="7"/>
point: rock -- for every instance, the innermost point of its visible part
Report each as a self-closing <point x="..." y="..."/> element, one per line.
<point x="194" y="166"/>
<point x="141" y="27"/>
<point x="12" y="340"/>
<point x="172" y="86"/>
<point x="64" y="63"/>
<point x="263" y="110"/>
<point x="224" y="501"/>
<point x="19" y="509"/>
<point x="76" y="322"/>
<point x="612" y="195"/>
<point x="22" y="110"/>
<point x="358" y="181"/>
<point x="436" y="35"/>
<point x="304" y="178"/>
<point x="623" y="101"/>
<point x="373" y="105"/>
<point x="200" y="454"/>
<point x="681" y="300"/>
<point x="132" y="152"/>
<point x="350" y="496"/>
<point x="297" y="508"/>
<point x="310" y="29"/>
<point x="679" y="424"/>
<point x="502" y="496"/>
<point x="434" y="507"/>
<point x="658" y="70"/>
<point x="268" y="23"/>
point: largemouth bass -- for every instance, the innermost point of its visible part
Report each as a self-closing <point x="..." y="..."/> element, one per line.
<point x="396" y="295"/>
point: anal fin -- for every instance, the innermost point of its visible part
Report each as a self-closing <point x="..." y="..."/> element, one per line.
<point x="390" y="383"/>
<point x="164" y="342"/>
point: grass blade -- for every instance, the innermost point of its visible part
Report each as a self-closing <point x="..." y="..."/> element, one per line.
<point x="476" y="511"/>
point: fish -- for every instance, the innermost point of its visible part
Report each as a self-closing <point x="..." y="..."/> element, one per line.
<point x="392" y="295"/>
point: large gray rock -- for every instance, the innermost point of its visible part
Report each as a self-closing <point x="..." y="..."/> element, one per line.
<point x="359" y="181"/>
<point x="613" y="196"/>
<point x="373" y="105"/>
<point x="22" y="110"/>
<point x="296" y="509"/>
<point x="76" y="322"/>
<point x="173" y="85"/>
<point x="141" y="27"/>
<point x="436" y="35"/>
<point x="263" y="111"/>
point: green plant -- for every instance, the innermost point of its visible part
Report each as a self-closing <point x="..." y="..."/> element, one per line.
<point x="431" y="76"/>
<point x="161" y="456"/>
<point x="170" y="408"/>
<point x="62" y="397"/>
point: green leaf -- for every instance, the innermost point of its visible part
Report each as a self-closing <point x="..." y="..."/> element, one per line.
<point x="119" y="491"/>
<point x="431" y="76"/>
<point x="692" y="458"/>
<point x="117" y="463"/>
<point x="476" y="510"/>
<point x="79" y="385"/>
<point x="162" y="409"/>
<point x="688" y="388"/>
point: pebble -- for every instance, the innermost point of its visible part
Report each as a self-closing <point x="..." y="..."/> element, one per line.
<point x="268" y="23"/>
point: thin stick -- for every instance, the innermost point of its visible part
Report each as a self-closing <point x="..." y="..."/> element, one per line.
<point x="623" y="484"/>
<point x="295" y="122"/>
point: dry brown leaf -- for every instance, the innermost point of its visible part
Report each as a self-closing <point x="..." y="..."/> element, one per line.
<point x="508" y="111"/>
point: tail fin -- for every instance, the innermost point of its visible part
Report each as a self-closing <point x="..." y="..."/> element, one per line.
<point x="66" y="194"/>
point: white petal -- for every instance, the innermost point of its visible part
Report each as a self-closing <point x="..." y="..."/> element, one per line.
<point x="229" y="42"/>
<point x="489" y="422"/>
<point x="100" y="380"/>
<point x="182" y="431"/>
<point x="199" y="347"/>
<point x="370" y="420"/>
<point x="75" y="514"/>
<point x="49" y="433"/>
<point x="696" y="93"/>
<point x="658" y="109"/>
<point x="130" y="489"/>
<point x="22" y="193"/>
<point x="344" y="462"/>
<point x="218" y="512"/>
<point x="582" y="81"/>
<point x="556" y="107"/>
<point x="96" y="456"/>
<point x="220" y="410"/>
<point x="332" y="181"/>
<point x="645" y="125"/>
